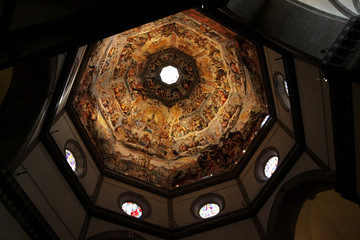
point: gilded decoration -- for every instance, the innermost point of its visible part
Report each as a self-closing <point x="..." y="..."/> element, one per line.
<point x="196" y="128"/>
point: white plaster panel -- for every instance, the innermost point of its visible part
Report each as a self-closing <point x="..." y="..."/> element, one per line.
<point x="111" y="189"/>
<point x="73" y="72"/>
<point x="58" y="194"/>
<point x="264" y="143"/>
<point x="240" y="230"/>
<point x="229" y="190"/>
<point x="97" y="226"/>
<point x="40" y="201"/>
<point x="328" y="125"/>
<point x="323" y="5"/>
<point x="275" y="64"/>
<point x="310" y="93"/>
<point x="283" y="143"/>
<point x="64" y="130"/>
<point x="10" y="229"/>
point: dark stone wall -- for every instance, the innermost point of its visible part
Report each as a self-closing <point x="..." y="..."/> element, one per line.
<point x="296" y="27"/>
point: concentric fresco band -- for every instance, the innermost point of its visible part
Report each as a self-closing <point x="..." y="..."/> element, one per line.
<point x="172" y="135"/>
<point x="169" y="94"/>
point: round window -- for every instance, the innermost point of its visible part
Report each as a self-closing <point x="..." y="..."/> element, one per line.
<point x="271" y="166"/>
<point x="208" y="205"/>
<point x="209" y="210"/>
<point x="70" y="159"/>
<point x="75" y="157"/>
<point x="132" y="209"/>
<point x="134" y="205"/>
<point x="282" y="90"/>
<point x="266" y="164"/>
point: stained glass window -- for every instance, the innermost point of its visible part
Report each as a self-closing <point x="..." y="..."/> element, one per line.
<point x="209" y="210"/>
<point x="70" y="159"/>
<point x="132" y="209"/>
<point x="271" y="166"/>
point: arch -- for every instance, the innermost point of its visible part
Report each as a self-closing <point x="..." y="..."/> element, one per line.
<point x="117" y="235"/>
<point x="329" y="216"/>
<point x="290" y="198"/>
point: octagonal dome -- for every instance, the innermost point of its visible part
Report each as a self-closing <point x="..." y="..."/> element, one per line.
<point x="172" y="135"/>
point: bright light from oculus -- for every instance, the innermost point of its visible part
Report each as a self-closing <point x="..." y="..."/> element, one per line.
<point x="209" y="210"/>
<point x="169" y="75"/>
<point x="132" y="209"/>
<point x="271" y="166"/>
<point x="70" y="159"/>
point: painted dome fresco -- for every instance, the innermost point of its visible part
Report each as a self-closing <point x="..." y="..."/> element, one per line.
<point x="171" y="102"/>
